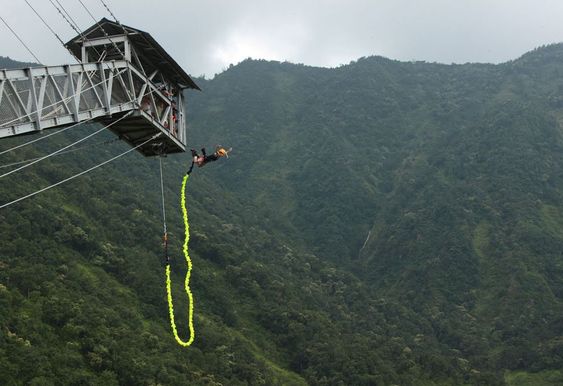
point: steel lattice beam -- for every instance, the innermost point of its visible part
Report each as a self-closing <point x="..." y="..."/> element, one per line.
<point x="39" y="98"/>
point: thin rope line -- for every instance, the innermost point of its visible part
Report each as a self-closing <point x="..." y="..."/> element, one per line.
<point x="117" y="21"/>
<point x="162" y="191"/>
<point x="79" y="174"/>
<point x="110" y="12"/>
<point x="64" y="148"/>
<point x="73" y="26"/>
<point x="21" y="41"/>
<point x="65" y="18"/>
<point x="44" y="22"/>
<point x="70" y="17"/>
<point x="103" y="30"/>
<point x="46" y="136"/>
<point x="61" y="153"/>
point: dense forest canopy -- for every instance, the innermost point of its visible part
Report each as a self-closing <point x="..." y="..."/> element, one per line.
<point x="379" y="223"/>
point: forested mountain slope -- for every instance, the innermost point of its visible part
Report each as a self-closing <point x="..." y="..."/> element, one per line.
<point x="454" y="172"/>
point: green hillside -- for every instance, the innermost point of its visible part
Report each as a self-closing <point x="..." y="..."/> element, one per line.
<point x="380" y="223"/>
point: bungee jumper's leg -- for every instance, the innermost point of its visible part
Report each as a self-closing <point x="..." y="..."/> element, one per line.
<point x="191" y="168"/>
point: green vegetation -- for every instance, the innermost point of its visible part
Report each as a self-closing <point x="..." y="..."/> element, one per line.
<point x="380" y="223"/>
<point x="6" y="62"/>
<point x="544" y="378"/>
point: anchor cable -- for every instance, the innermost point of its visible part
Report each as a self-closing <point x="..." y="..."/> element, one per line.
<point x="64" y="148"/>
<point x="21" y="41"/>
<point x="79" y="174"/>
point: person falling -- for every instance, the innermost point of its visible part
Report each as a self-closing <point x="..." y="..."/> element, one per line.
<point x="203" y="159"/>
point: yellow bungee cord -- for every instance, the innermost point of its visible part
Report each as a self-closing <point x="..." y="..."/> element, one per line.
<point x="188" y="274"/>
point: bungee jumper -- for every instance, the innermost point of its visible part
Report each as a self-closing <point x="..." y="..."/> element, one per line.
<point x="203" y="159"/>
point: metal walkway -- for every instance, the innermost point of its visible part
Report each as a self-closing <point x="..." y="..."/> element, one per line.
<point x="39" y="98"/>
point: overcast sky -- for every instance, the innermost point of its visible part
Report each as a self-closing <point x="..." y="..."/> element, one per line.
<point x="205" y="36"/>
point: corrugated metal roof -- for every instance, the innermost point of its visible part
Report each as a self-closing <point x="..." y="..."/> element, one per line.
<point x="152" y="55"/>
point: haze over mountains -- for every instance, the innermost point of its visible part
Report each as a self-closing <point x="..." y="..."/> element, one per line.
<point x="380" y="223"/>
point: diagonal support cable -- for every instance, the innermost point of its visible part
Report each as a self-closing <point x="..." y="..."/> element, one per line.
<point x="64" y="148"/>
<point x="21" y="41"/>
<point x="79" y="174"/>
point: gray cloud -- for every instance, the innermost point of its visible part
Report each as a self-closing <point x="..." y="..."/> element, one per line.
<point x="206" y="36"/>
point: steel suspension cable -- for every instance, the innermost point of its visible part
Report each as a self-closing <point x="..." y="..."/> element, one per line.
<point x="45" y="23"/>
<point x="110" y="12"/>
<point x="114" y="17"/>
<point x="66" y="19"/>
<point x="70" y="17"/>
<point x="79" y="174"/>
<point x="45" y="136"/>
<point x="21" y="41"/>
<point x="70" y="22"/>
<point x="162" y="194"/>
<point x="64" y="148"/>
<point x="103" y="30"/>
<point x="61" y="153"/>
